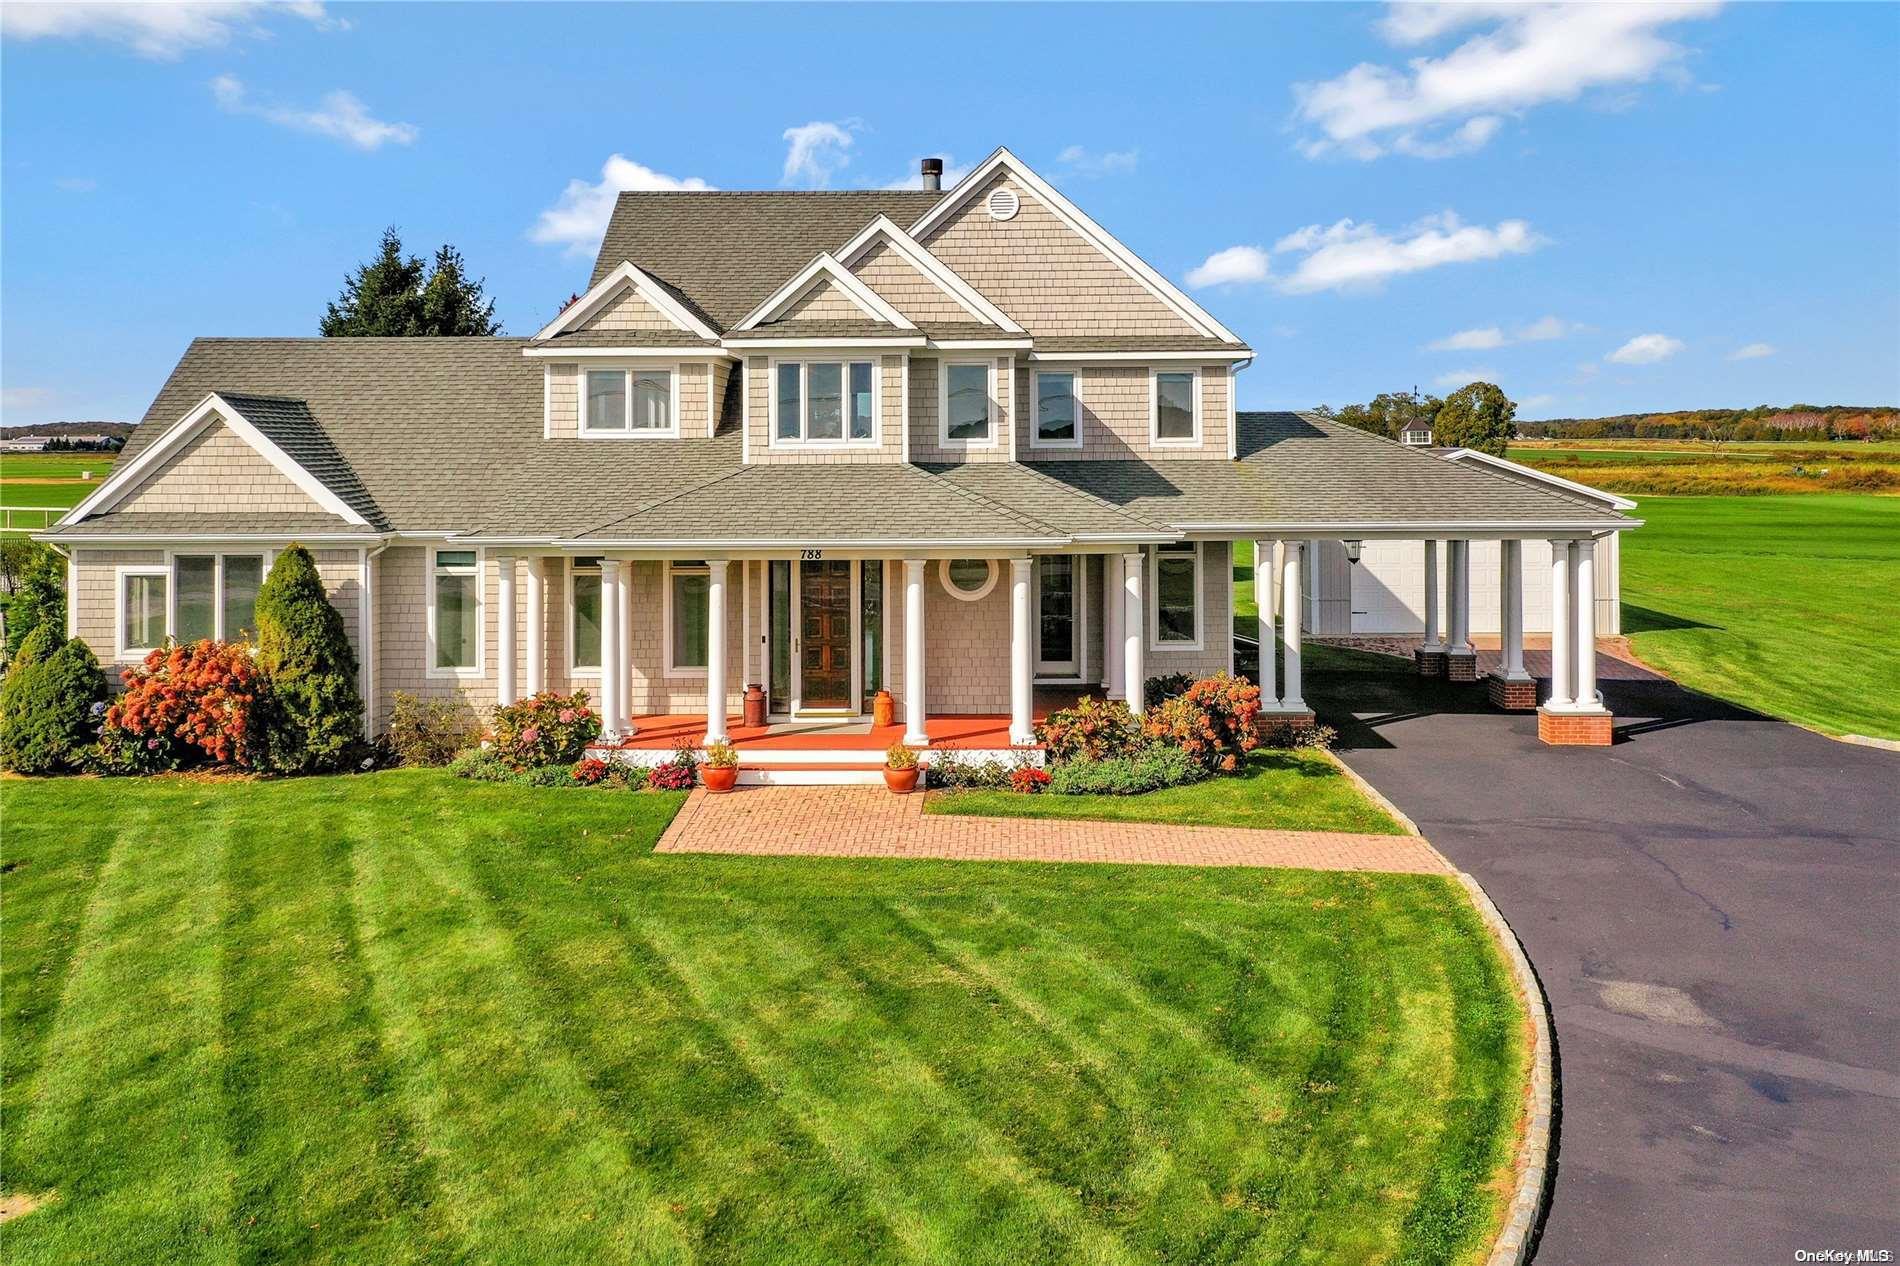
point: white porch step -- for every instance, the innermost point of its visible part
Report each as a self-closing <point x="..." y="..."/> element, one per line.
<point x="784" y="774"/>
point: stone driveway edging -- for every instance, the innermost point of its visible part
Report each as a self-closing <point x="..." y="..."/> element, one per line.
<point x="1532" y="1162"/>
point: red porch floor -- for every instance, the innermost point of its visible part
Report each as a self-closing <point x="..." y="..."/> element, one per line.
<point x="666" y="733"/>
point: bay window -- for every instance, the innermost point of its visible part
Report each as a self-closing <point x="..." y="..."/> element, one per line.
<point x="1058" y="412"/>
<point x="455" y="611"/>
<point x="1175" y="579"/>
<point x="964" y="401"/>
<point x="1176" y="417"/>
<point x="628" y="402"/>
<point x="825" y="402"/>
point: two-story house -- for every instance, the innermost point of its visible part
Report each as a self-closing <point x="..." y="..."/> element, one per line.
<point x="959" y="445"/>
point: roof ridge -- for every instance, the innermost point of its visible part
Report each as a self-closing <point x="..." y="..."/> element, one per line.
<point x="1104" y="502"/>
<point x="657" y="502"/>
<point x="971" y="494"/>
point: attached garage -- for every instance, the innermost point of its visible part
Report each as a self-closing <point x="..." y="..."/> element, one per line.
<point x="1384" y="593"/>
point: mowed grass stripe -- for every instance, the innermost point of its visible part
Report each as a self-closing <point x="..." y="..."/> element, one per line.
<point x="131" y="1084"/>
<point x="740" y="1172"/>
<point x="787" y="992"/>
<point x="50" y="875"/>
<point x="326" y="1160"/>
<point x="526" y="1165"/>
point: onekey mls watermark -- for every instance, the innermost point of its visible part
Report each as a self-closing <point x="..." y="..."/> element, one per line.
<point x="1843" y="1255"/>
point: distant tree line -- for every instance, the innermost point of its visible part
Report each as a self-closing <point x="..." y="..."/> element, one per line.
<point x="1478" y="415"/>
<point x="1763" y="422"/>
<point x="108" y="444"/>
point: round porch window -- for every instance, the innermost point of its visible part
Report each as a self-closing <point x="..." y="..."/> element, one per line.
<point x="968" y="578"/>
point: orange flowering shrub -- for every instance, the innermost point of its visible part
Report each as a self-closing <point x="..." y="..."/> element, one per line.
<point x="1093" y="729"/>
<point x="1216" y="721"/>
<point x="189" y="703"/>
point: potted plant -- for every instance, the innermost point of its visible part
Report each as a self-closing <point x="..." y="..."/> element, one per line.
<point x="900" y="768"/>
<point x="721" y="768"/>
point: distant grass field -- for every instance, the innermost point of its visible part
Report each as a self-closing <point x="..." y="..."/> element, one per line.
<point x="1788" y="605"/>
<point x="1672" y="468"/>
<point x="49" y="479"/>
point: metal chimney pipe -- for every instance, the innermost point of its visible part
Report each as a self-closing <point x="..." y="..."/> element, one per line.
<point x="933" y="174"/>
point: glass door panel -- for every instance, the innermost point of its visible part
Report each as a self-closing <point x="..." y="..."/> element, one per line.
<point x="1056" y="625"/>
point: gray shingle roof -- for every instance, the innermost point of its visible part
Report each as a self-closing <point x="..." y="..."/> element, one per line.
<point x="287" y="423"/>
<point x="795" y="503"/>
<point x="1144" y="343"/>
<point x="1074" y="510"/>
<point x="627" y="338"/>
<point x="867" y="328"/>
<point x="1294" y="468"/>
<point x="728" y="251"/>
<point x="135" y="524"/>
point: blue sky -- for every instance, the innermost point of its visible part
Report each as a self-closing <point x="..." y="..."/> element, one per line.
<point x="1604" y="210"/>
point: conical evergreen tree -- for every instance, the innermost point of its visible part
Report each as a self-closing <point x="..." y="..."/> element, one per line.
<point x="316" y="712"/>
<point x="393" y="296"/>
<point x="451" y="303"/>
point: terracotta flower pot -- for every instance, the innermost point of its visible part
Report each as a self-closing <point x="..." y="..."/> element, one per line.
<point x="719" y="777"/>
<point x="901" y="781"/>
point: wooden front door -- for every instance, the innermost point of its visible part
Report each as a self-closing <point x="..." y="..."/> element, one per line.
<point x="824" y="622"/>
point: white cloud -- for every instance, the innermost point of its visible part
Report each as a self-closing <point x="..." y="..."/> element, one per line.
<point x="1537" y="402"/>
<point x="817" y="151"/>
<point x="953" y="173"/>
<point x="1461" y="377"/>
<point x="24" y="397"/>
<point x="1754" y="351"/>
<point x="1527" y="55"/>
<point x="1490" y="336"/>
<point x="1076" y="161"/>
<point x="341" y="117"/>
<point x="152" y="28"/>
<point x="1470" y="340"/>
<point x="1645" y="349"/>
<point x="1235" y="266"/>
<point x="1349" y="255"/>
<point x="577" y="220"/>
<point x="76" y="184"/>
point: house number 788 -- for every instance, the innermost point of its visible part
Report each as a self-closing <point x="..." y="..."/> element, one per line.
<point x="810" y="555"/>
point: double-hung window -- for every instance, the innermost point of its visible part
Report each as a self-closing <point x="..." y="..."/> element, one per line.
<point x="144" y="609"/>
<point x="628" y="402"/>
<point x="1058" y="410"/>
<point x="1177" y="412"/>
<point x="583" y="649"/>
<point x="1177" y="590"/>
<point x="825" y="402"/>
<point x="215" y="595"/>
<point x="455" y="611"/>
<point x="965" y="400"/>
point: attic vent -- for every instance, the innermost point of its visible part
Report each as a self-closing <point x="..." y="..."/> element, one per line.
<point x="1003" y="204"/>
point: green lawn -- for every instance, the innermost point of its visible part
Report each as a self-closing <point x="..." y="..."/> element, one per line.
<point x="1282" y="791"/>
<point x="403" y="1018"/>
<point x="1789" y="605"/>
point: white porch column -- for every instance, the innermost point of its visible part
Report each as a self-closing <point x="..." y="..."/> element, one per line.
<point x="1291" y="606"/>
<point x="1134" y="634"/>
<point x="1511" y="604"/>
<point x="1113" y="608"/>
<point x="1022" y="719"/>
<point x="1433" y="643"/>
<point x="1265" y="587"/>
<point x="1562" y="621"/>
<point x="1584" y="596"/>
<point x="609" y="640"/>
<point x="914" y="733"/>
<point x="623" y="650"/>
<point x="537" y="624"/>
<point x="505" y="616"/>
<point x="715" y="650"/>
<point x="1460" y="598"/>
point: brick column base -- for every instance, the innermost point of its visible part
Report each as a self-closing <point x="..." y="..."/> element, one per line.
<point x="1461" y="666"/>
<point x="1575" y="729"/>
<point x="1430" y="663"/>
<point x="1511" y="696"/>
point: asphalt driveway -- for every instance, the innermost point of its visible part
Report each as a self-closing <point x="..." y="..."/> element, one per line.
<point x="1712" y="905"/>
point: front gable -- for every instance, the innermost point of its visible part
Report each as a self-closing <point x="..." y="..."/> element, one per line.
<point x="216" y="470"/>
<point x="629" y="310"/>
<point x="826" y="302"/>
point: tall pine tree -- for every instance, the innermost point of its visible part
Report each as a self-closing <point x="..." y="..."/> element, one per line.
<point x="394" y="296"/>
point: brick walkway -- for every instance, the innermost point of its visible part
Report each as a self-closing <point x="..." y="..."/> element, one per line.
<point x="871" y="822"/>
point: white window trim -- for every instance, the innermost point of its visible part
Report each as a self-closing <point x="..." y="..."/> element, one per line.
<point x="574" y="669"/>
<point x="668" y="667"/>
<point x="119" y="576"/>
<point x="672" y="430"/>
<point x="1154" y="601"/>
<point x="943" y="404"/>
<point x="989" y="585"/>
<point x="481" y="617"/>
<point x="218" y="631"/>
<point x="1154" y="407"/>
<point x="774" y="440"/>
<point x="1034" y="407"/>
